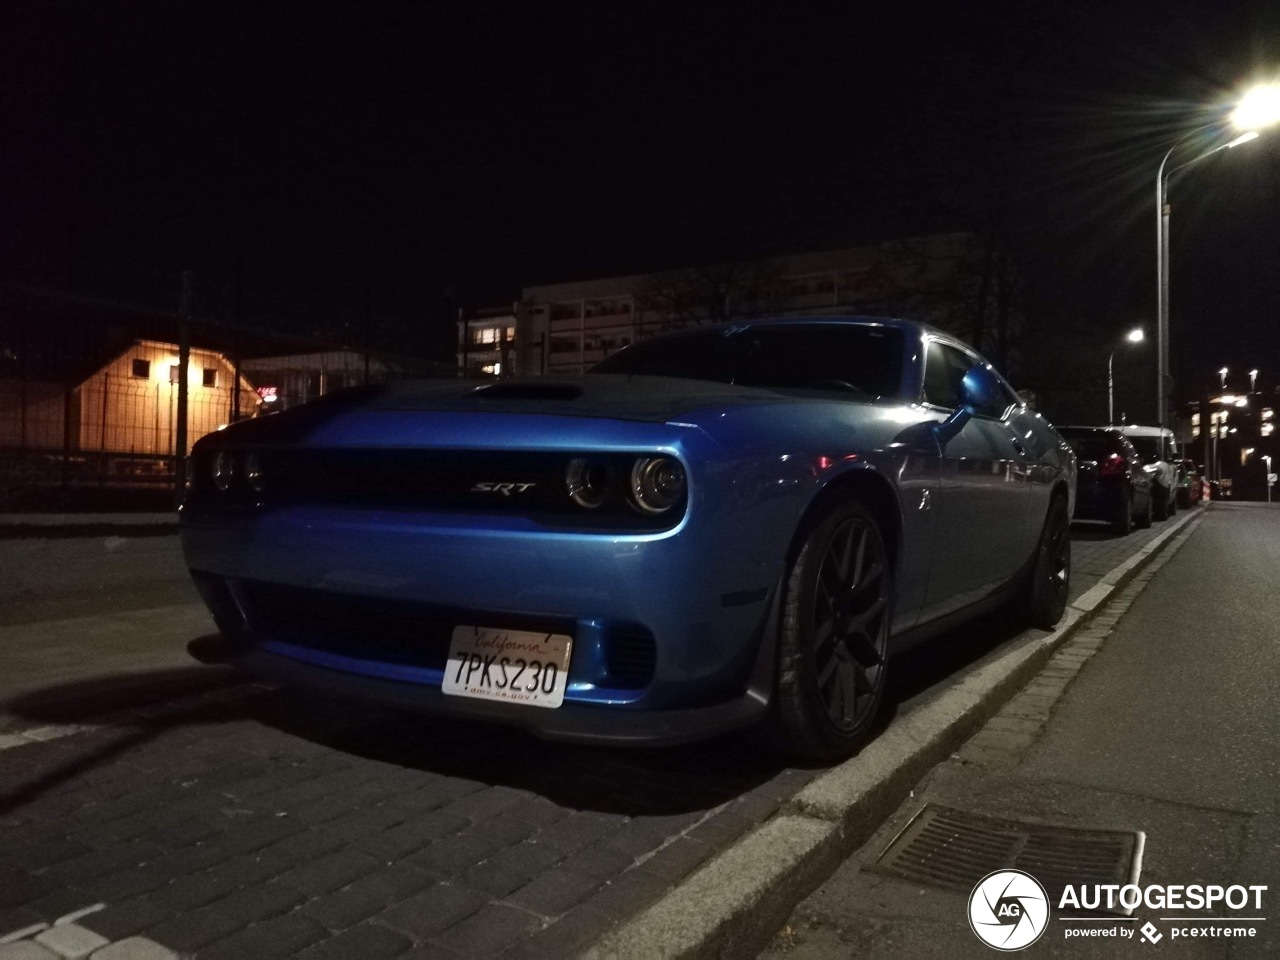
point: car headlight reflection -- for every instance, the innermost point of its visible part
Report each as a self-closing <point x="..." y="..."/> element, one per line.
<point x="253" y="473"/>
<point x="657" y="484"/>
<point x="588" y="482"/>
<point x="224" y="470"/>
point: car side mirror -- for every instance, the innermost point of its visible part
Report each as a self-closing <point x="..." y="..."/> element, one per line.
<point x="978" y="390"/>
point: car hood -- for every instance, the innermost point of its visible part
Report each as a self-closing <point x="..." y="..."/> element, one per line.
<point x="651" y="400"/>
<point x="615" y="396"/>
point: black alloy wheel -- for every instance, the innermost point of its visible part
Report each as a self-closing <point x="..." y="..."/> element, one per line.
<point x="1123" y="522"/>
<point x="1044" y="598"/>
<point x="1161" y="499"/>
<point x="834" y="636"/>
<point x="1144" y="518"/>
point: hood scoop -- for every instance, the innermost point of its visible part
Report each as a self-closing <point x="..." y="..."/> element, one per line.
<point x="528" y="390"/>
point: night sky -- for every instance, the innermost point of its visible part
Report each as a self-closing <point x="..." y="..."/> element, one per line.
<point x="309" y="159"/>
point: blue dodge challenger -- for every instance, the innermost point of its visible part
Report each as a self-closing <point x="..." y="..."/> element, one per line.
<point x="728" y="526"/>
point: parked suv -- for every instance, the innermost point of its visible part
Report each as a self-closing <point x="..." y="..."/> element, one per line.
<point x="1111" y="483"/>
<point x="1158" y="451"/>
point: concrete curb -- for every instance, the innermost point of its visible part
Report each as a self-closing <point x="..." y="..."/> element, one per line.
<point x="734" y="904"/>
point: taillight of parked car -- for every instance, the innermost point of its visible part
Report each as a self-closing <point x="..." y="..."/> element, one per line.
<point x="1114" y="466"/>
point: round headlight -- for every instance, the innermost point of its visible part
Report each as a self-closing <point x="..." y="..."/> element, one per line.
<point x="253" y="473"/>
<point x="657" y="484"/>
<point x="588" y="482"/>
<point x="224" y="470"/>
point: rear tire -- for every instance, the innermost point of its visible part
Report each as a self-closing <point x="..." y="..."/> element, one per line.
<point x="1144" y="518"/>
<point x="1160" y="499"/>
<point x="1123" y="523"/>
<point x="1044" y="596"/>
<point x="834" y="636"/>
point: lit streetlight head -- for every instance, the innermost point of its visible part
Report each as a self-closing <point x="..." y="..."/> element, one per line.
<point x="1258" y="108"/>
<point x="1136" y="335"/>
<point x="1223" y="371"/>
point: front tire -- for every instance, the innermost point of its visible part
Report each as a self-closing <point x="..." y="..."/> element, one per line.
<point x="834" y="636"/>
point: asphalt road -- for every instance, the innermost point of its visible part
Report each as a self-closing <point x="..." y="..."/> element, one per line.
<point x="1169" y="729"/>
<point x="225" y="819"/>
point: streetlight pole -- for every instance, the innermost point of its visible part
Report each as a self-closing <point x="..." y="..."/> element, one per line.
<point x="1133" y="336"/>
<point x="1253" y="379"/>
<point x="1267" y="458"/>
<point x="1223" y="377"/>
<point x="1258" y="108"/>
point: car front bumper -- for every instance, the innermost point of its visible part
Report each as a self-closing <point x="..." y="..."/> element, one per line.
<point x="672" y="631"/>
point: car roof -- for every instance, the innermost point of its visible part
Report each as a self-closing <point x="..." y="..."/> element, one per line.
<point x="1079" y="429"/>
<point x="899" y="323"/>
<point x="1132" y="430"/>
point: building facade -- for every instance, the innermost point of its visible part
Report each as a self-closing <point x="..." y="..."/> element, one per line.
<point x="949" y="280"/>
<point x="486" y="345"/>
<point x="131" y="404"/>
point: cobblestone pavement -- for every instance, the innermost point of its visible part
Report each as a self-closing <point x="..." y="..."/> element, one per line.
<point x="245" y="821"/>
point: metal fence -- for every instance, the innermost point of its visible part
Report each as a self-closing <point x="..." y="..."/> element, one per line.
<point x="90" y="394"/>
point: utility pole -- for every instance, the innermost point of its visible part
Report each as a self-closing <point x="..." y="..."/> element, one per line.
<point x="184" y="358"/>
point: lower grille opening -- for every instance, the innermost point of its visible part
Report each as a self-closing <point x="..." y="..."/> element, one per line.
<point x="418" y="634"/>
<point x="630" y="658"/>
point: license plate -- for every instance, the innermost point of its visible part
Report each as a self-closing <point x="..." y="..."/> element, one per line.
<point x="514" y="666"/>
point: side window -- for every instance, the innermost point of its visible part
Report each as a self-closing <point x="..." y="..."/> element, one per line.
<point x="944" y="368"/>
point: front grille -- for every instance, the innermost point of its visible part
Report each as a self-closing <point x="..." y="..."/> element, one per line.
<point x="411" y="633"/>
<point x="510" y="482"/>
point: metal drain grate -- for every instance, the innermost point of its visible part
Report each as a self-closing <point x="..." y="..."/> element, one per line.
<point x="953" y="849"/>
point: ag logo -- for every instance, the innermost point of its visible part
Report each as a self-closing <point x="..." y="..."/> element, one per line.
<point x="1008" y="910"/>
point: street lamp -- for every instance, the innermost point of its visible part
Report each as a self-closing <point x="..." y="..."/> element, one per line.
<point x="1267" y="457"/>
<point x="1133" y="336"/>
<point x="1253" y="379"/>
<point x="1223" y="374"/>
<point x="1258" y="108"/>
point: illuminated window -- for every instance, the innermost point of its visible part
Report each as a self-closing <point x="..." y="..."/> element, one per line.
<point x="175" y="373"/>
<point x="142" y="368"/>
<point x="1266" y="413"/>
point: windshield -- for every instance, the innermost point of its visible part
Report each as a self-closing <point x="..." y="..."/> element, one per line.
<point x="1096" y="447"/>
<point x="1148" y="448"/>
<point x="850" y="358"/>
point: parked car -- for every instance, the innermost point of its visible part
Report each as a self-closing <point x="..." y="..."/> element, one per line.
<point x="1111" y="484"/>
<point x="1159" y="458"/>
<point x="1190" y="486"/>
<point x="726" y="526"/>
